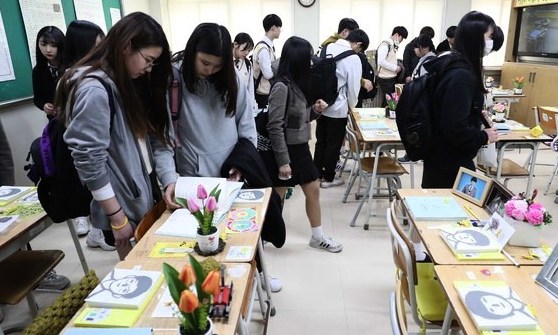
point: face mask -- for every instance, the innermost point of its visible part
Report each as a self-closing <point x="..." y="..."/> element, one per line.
<point x="488" y="45"/>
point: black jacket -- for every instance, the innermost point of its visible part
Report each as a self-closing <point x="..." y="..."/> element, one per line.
<point x="457" y="122"/>
<point x="410" y="58"/>
<point x="247" y="160"/>
<point x="44" y="86"/>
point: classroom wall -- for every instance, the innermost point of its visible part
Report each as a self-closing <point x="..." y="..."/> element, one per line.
<point x="24" y="122"/>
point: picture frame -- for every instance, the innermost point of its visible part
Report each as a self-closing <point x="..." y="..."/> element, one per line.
<point x="548" y="276"/>
<point x="497" y="197"/>
<point x="472" y="186"/>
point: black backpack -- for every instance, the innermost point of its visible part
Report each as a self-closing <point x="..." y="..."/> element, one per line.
<point x="323" y="76"/>
<point x="414" y="115"/>
<point x="61" y="193"/>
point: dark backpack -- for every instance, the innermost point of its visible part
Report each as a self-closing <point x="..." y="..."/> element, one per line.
<point x="323" y="76"/>
<point x="414" y="116"/>
<point x="60" y="191"/>
<point x="175" y="101"/>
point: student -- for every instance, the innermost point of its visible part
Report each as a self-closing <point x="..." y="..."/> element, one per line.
<point x="242" y="46"/>
<point x="471" y="188"/>
<point x="458" y="103"/>
<point x="410" y="57"/>
<point x="263" y="56"/>
<point x="213" y="102"/>
<point x="447" y="44"/>
<point x="7" y="175"/>
<point x="425" y="51"/>
<point x="120" y="156"/>
<point x="81" y="37"/>
<point x="49" y="54"/>
<point x="291" y="163"/>
<point x="388" y="67"/>
<point x="358" y="40"/>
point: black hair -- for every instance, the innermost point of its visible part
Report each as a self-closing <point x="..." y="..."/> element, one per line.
<point x="450" y="32"/>
<point x="242" y="38"/>
<point x="474" y="179"/>
<point x="81" y="36"/>
<point x="53" y="36"/>
<point x="425" y="41"/>
<point x="469" y="41"/>
<point x="295" y="62"/>
<point x="427" y="30"/>
<point x="498" y="38"/>
<point x="347" y="23"/>
<point x="359" y="35"/>
<point x="271" y="20"/>
<point x="143" y="98"/>
<point x="213" y="39"/>
<point x="402" y="31"/>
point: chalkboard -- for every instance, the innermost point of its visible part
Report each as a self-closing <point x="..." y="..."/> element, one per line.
<point x="22" y="86"/>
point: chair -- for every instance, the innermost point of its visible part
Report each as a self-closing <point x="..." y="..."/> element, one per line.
<point x="387" y="167"/>
<point x="419" y="286"/>
<point x="397" y="315"/>
<point x="153" y="215"/>
<point x="21" y="274"/>
<point x="399" y="89"/>
<point x="547" y="119"/>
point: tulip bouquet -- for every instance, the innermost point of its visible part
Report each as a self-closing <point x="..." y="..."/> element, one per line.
<point x="203" y="213"/>
<point x="392" y="100"/>
<point x="518" y="82"/>
<point x="193" y="304"/>
<point x="527" y="210"/>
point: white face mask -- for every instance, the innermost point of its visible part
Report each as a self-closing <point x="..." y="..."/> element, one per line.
<point x="488" y="45"/>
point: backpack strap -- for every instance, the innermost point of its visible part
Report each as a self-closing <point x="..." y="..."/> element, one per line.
<point x="175" y="102"/>
<point x="257" y="82"/>
<point x="344" y="54"/>
<point x="386" y="42"/>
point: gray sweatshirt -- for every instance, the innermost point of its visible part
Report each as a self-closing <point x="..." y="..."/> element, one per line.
<point x="206" y="135"/>
<point x="108" y="155"/>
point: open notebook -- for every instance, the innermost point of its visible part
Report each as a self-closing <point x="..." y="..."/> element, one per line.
<point x="187" y="187"/>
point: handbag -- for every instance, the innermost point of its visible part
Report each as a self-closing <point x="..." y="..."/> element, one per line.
<point x="488" y="156"/>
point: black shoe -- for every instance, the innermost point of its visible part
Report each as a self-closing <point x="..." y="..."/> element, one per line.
<point x="556" y="192"/>
<point x="404" y="159"/>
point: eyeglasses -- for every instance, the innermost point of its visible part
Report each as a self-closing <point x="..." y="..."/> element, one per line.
<point x="149" y="63"/>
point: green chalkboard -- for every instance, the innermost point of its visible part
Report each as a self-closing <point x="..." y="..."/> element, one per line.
<point x="22" y="87"/>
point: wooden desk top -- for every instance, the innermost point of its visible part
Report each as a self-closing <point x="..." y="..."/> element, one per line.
<point x="164" y="326"/>
<point x="250" y="238"/>
<point x="375" y="114"/>
<point x="522" y="280"/>
<point x="439" y="250"/>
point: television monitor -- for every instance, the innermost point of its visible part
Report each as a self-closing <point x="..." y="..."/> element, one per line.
<point x="537" y="31"/>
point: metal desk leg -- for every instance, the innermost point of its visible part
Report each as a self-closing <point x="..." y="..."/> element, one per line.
<point x="447" y="320"/>
<point x="266" y="277"/>
<point x="532" y="169"/>
<point x="79" y="251"/>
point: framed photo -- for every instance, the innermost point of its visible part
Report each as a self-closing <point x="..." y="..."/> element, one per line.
<point x="497" y="197"/>
<point x="472" y="186"/>
<point x="548" y="276"/>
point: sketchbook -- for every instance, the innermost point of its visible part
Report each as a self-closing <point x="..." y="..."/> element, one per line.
<point x="6" y="221"/>
<point x="180" y="223"/>
<point x="470" y="240"/>
<point x="125" y="288"/>
<point x="373" y="125"/>
<point x="493" y="305"/>
<point x="435" y="208"/>
<point x="11" y="193"/>
<point x="187" y="187"/>
<point x="108" y="331"/>
<point x="107" y="317"/>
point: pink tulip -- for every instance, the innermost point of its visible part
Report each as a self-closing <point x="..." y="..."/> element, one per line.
<point x="211" y="204"/>
<point x="193" y="206"/>
<point x="202" y="193"/>
<point x="388" y="97"/>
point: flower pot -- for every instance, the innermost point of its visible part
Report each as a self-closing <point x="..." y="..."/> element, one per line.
<point x="391" y="114"/>
<point x="387" y="112"/>
<point x="518" y="91"/>
<point x="208" y="243"/>
<point x="208" y="332"/>
<point x="499" y="116"/>
<point x="525" y="235"/>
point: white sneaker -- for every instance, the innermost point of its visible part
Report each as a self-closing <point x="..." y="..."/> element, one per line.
<point x="274" y="283"/>
<point x="326" y="243"/>
<point x="82" y="225"/>
<point x="333" y="183"/>
<point x="96" y="239"/>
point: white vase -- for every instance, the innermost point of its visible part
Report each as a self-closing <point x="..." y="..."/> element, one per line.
<point x="525" y="235"/>
<point x="499" y="116"/>
<point x="391" y="114"/>
<point x="208" y="243"/>
<point x="208" y="332"/>
<point x="517" y="91"/>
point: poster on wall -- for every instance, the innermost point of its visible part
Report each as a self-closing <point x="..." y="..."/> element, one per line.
<point x="525" y="3"/>
<point x="38" y="14"/>
<point x="91" y="10"/>
<point x="6" y="67"/>
<point x="115" y="15"/>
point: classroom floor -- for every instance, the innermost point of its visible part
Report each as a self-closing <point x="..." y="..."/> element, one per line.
<point x="323" y="293"/>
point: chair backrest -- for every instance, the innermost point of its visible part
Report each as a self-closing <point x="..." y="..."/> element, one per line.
<point x="403" y="254"/>
<point x="351" y="136"/>
<point x="399" y="89"/>
<point x="546" y="118"/>
<point x="154" y="213"/>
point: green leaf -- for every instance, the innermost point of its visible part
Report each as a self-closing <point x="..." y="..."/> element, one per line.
<point x="175" y="285"/>
<point x="182" y="202"/>
<point x="216" y="192"/>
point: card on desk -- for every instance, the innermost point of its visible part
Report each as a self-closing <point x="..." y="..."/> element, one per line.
<point x="108" y="331"/>
<point x="11" y="193"/>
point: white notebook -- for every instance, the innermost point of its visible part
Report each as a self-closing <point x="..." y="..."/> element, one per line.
<point x="181" y="223"/>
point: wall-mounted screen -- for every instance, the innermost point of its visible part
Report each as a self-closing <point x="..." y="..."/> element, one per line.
<point x="537" y="31"/>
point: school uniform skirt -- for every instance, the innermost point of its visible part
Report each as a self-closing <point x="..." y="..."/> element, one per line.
<point x="303" y="170"/>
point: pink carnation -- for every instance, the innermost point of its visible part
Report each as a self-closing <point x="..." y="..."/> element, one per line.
<point x="537" y="206"/>
<point x="518" y="214"/>
<point x="534" y="216"/>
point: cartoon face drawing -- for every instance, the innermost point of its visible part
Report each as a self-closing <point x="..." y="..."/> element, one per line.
<point x="124" y="286"/>
<point x="497" y="305"/>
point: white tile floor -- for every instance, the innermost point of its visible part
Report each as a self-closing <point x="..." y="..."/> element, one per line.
<point x="323" y="293"/>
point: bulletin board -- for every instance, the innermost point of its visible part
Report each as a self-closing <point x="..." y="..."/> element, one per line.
<point x="21" y="88"/>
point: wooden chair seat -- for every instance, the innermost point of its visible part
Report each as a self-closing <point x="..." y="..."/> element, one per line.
<point x="509" y="169"/>
<point x="386" y="165"/>
<point x="153" y="215"/>
<point x="22" y="272"/>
